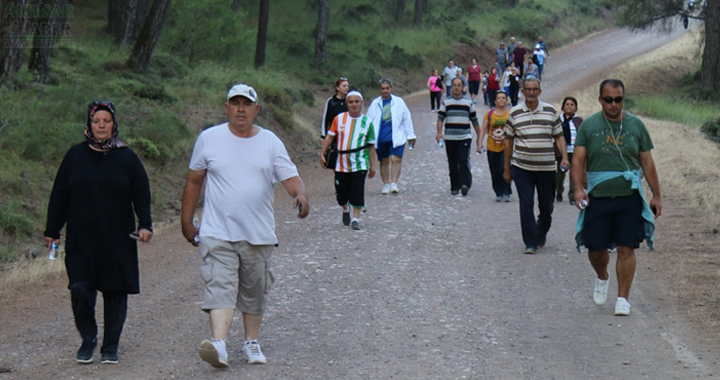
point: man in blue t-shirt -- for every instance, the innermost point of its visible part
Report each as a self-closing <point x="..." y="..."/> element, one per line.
<point x="392" y="117"/>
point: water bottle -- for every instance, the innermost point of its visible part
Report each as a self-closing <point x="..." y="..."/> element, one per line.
<point x="441" y="143"/>
<point x="196" y="223"/>
<point x="411" y="146"/>
<point x="54" y="253"/>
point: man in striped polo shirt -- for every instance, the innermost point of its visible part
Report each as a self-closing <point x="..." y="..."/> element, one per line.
<point x="458" y="112"/>
<point x="532" y="128"/>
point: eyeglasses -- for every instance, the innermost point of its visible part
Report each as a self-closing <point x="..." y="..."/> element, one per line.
<point x="532" y="89"/>
<point x="609" y="100"/>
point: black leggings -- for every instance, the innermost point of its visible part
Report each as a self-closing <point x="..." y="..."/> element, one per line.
<point x="83" y="298"/>
<point x="435" y="100"/>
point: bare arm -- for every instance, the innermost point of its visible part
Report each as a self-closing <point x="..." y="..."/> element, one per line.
<point x="191" y="195"/>
<point x="509" y="143"/>
<point x="562" y="147"/>
<point x="325" y="145"/>
<point x="648" y="166"/>
<point x="476" y="127"/>
<point x="296" y="188"/>
<point x="373" y="161"/>
<point x="439" y="135"/>
<point x="578" y="174"/>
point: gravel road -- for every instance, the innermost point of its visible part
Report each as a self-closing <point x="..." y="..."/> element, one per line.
<point x="435" y="286"/>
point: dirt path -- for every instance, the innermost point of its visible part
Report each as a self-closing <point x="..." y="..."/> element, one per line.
<point x="434" y="287"/>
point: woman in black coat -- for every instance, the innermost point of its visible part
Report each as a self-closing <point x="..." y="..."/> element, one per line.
<point x="100" y="187"/>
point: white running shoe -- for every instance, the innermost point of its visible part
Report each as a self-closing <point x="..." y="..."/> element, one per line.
<point x="214" y="352"/>
<point x="394" y="188"/>
<point x="601" y="291"/>
<point x="385" y="189"/>
<point x="622" y="307"/>
<point x="253" y="353"/>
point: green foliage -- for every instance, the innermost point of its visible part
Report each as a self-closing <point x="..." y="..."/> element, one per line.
<point x="15" y="223"/>
<point x="711" y="129"/>
<point x="206" y="30"/>
<point x="675" y="108"/>
<point x="156" y="93"/>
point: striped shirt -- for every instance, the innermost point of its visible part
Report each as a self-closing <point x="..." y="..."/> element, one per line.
<point x="352" y="133"/>
<point x="458" y="114"/>
<point x="533" y="132"/>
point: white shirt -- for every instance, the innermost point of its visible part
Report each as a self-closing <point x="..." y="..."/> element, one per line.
<point x="241" y="176"/>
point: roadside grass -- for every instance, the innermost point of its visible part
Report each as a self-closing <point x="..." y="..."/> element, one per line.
<point x="161" y="111"/>
<point x="677" y="107"/>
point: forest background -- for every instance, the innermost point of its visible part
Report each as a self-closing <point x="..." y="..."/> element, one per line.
<point x="167" y="65"/>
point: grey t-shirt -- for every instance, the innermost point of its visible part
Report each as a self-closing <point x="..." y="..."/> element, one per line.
<point x="501" y="55"/>
<point x="450" y="73"/>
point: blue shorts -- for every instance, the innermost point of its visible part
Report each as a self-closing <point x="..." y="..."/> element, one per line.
<point x="385" y="150"/>
<point x="613" y="221"/>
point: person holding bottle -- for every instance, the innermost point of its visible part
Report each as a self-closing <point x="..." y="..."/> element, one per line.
<point x="100" y="189"/>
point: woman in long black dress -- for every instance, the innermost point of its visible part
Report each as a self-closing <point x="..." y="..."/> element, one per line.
<point x="100" y="187"/>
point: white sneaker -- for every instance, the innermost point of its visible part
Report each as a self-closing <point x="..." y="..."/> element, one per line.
<point x="601" y="290"/>
<point x="622" y="307"/>
<point x="253" y="353"/>
<point x="385" y="189"/>
<point x="214" y="352"/>
<point x="394" y="188"/>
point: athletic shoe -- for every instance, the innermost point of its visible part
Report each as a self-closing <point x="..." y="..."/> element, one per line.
<point x="385" y="189"/>
<point x="252" y="350"/>
<point x="85" y="353"/>
<point x="214" y="352"/>
<point x="613" y="249"/>
<point x="601" y="290"/>
<point x="559" y="198"/>
<point x="110" y="357"/>
<point x="622" y="307"/>
<point x="530" y="250"/>
<point x="355" y="224"/>
<point x="394" y="188"/>
<point x="464" y="190"/>
<point x="499" y="198"/>
<point x="506" y="198"/>
<point x="346" y="217"/>
<point x="572" y="202"/>
<point x="454" y="192"/>
<point x="542" y="241"/>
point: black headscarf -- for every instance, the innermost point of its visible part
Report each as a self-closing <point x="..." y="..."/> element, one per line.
<point x="111" y="143"/>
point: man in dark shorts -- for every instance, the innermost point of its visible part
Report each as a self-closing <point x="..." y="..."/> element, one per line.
<point x="393" y="128"/>
<point x="613" y="147"/>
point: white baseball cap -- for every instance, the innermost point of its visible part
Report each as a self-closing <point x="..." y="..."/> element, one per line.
<point x="243" y="90"/>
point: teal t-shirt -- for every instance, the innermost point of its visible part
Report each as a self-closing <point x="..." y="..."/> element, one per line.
<point x="613" y="146"/>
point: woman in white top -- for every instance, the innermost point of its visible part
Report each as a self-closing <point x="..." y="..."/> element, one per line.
<point x="506" y="77"/>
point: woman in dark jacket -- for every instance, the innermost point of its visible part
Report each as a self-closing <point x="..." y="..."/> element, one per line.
<point x="571" y="124"/>
<point x="100" y="187"/>
<point x="335" y="105"/>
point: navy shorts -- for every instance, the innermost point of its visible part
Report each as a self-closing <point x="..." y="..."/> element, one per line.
<point x="385" y="150"/>
<point x="614" y="221"/>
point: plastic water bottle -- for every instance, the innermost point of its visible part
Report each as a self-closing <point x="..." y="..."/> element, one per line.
<point x="411" y="146"/>
<point x="441" y="143"/>
<point x="196" y="223"/>
<point x="54" y="253"/>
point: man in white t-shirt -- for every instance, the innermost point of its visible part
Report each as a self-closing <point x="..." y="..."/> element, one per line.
<point x="242" y="162"/>
<point x="449" y="73"/>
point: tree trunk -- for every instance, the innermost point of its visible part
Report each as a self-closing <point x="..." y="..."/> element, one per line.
<point x="399" y="9"/>
<point x="11" y="57"/>
<point x="141" y="13"/>
<point x="128" y="18"/>
<point x="44" y="43"/>
<point x="321" y="31"/>
<point x="114" y="25"/>
<point x="262" y="33"/>
<point x="149" y="35"/>
<point x="419" y="9"/>
<point x="235" y="5"/>
<point x="512" y="3"/>
<point x="710" y="71"/>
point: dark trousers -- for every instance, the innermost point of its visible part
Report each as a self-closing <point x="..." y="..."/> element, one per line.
<point x="521" y="68"/>
<point x="496" y="164"/>
<point x="561" y="178"/>
<point x="491" y="97"/>
<point x="458" y="154"/>
<point x="435" y="100"/>
<point x="83" y="299"/>
<point x="350" y="188"/>
<point x="525" y="183"/>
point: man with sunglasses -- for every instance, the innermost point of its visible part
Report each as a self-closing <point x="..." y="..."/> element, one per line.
<point x="613" y="148"/>
<point x="530" y="131"/>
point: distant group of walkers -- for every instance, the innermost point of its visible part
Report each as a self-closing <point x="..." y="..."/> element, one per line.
<point x="101" y="189"/>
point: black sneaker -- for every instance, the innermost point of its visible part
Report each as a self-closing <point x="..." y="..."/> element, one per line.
<point x="541" y="241"/>
<point x="109" y="357"/>
<point x="559" y="198"/>
<point x="454" y="192"/>
<point x="464" y="190"/>
<point x="85" y="353"/>
<point x="346" y="218"/>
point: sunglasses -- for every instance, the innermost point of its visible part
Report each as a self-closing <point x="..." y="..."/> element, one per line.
<point x="343" y="78"/>
<point x="609" y="100"/>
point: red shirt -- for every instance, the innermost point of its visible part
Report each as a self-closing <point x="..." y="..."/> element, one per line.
<point x="492" y="83"/>
<point x="474" y="74"/>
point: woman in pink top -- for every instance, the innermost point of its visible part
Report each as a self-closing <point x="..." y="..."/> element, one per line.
<point x="434" y="84"/>
<point x="474" y="78"/>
